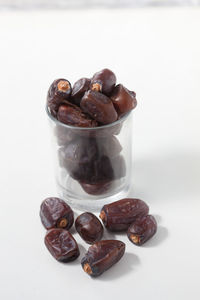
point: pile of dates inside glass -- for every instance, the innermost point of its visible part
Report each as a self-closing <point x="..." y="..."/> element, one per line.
<point x="130" y="215"/>
<point x="91" y="157"/>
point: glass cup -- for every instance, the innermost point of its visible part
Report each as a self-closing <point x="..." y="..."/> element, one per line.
<point x="93" y="166"/>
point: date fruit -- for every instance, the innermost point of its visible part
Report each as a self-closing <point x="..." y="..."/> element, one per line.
<point x="99" y="107"/>
<point x="72" y="115"/>
<point x="98" y="188"/>
<point x="61" y="245"/>
<point x="79" y="88"/>
<point x="109" y="146"/>
<point x="59" y="91"/>
<point x="54" y="212"/>
<point x="123" y="99"/>
<point x="63" y="135"/>
<point x="89" y="227"/>
<point x="103" y="81"/>
<point x="118" y="215"/>
<point x="142" y="229"/>
<point x="101" y="256"/>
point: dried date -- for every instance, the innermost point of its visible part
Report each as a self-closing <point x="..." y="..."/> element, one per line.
<point x="89" y="227"/>
<point x="72" y="115"/>
<point x="109" y="146"/>
<point x="118" y="215"/>
<point x="142" y="229"/>
<point x="59" y="91"/>
<point x="101" y="256"/>
<point x="79" y="88"/>
<point x="103" y="81"/>
<point x="63" y="135"/>
<point x="61" y="245"/>
<point x="54" y="212"/>
<point x="99" y="107"/>
<point x="123" y="99"/>
<point x="98" y="188"/>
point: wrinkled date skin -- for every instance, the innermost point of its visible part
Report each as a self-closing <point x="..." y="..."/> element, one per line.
<point x="99" y="107"/>
<point x="79" y="88"/>
<point x="93" y="161"/>
<point x="61" y="245"/>
<point x="96" y="188"/>
<point x="93" y="171"/>
<point x="101" y="256"/>
<point x="103" y="81"/>
<point x="118" y="215"/>
<point x="72" y="115"/>
<point x="142" y="229"/>
<point x="123" y="99"/>
<point x="78" y="158"/>
<point x="54" y="212"/>
<point x="59" y="91"/>
<point x="89" y="227"/>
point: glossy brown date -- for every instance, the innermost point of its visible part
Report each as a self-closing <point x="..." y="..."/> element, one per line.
<point x="98" y="188"/>
<point x="142" y="229"/>
<point x="103" y="81"/>
<point x="59" y="91"/>
<point x="79" y="88"/>
<point x="89" y="227"/>
<point x="99" y="107"/>
<point x="101" y="256"/>
<point x="54" y="212"/>
<point x="72" y="115"/>
<point x="118" y="215"/>
<point x="123" y="99"/>
<point x="61" y="245"/>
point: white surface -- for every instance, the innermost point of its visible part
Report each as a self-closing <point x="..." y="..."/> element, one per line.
<point x="155" y="52"/>
<point x="29" y="4"/>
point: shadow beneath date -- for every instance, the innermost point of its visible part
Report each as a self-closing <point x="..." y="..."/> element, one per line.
<point x="108" y="235"/>
<point x="126" y="265"/>
<point x="160" y="236"/>
<point x="78" y="260"/>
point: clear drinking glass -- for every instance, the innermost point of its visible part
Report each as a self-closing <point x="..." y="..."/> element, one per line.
<point x="92" y="165"/>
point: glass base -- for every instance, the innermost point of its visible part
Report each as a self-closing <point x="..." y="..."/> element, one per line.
<point x="86" y="202"/>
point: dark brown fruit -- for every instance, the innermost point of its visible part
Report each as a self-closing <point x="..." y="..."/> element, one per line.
<point x="73" y="116"/>
<point x="109" y="146"/>
<point x="142" y="229"/>
<point x="101" y="256"/>
<point x="96" y="188"/>
<point x="59" y="91"/>
<point x="118" y="216"/>
<point x="99" y="107"/>
<point x="89" y="227"/>
<point x="103" y="81"/>
<point x="61" y="245"/>
<point x="63" y="135"/>
<point x="123" y="99"/>
<point x="78" y="158"/>
<point x="79" y="88"/>
<point x="54" y="212"/>
<point x="88" y="160"/>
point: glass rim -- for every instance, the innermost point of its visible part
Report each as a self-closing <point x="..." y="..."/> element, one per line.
<point x="56" y="121"/>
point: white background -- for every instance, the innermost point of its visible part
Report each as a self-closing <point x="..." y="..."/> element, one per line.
<point x="155" y="52"/>
<point x="28" y="4"/>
